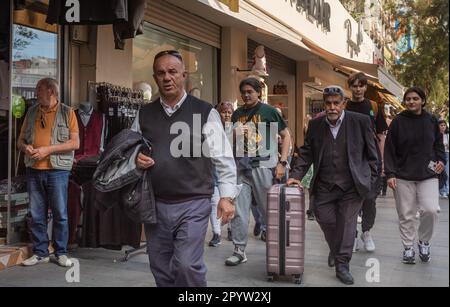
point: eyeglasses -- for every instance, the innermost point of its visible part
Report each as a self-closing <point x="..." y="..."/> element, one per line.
<point x="332" y="90"/>
<point x="42" y="121"/>
<point x="169" y="52"/>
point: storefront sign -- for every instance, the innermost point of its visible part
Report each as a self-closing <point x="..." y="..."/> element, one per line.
<point x="317" y="10"/>
<point x="352" y="46"/>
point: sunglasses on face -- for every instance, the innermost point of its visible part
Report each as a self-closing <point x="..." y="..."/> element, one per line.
<point x="169" y="52"/>
<point x="333" y="91"/>
<point x="42" y="121"/>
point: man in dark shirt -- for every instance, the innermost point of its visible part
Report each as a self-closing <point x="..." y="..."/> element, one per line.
<point x="359" y="104"/>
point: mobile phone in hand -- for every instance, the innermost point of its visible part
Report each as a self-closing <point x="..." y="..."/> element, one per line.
<point x="432" y="166"/>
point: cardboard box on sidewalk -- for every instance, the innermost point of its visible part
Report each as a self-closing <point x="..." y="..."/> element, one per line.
<point x="14" y="255"/>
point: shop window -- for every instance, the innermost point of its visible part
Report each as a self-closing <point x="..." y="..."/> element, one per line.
<point x="314" y="101"/>
<point x="33" y="50"/>
<point x="200" y="60"/>
<point x="34" y="58"/>
<point x="5" y="29"/>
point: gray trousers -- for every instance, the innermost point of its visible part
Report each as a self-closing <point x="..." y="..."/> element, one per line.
<point x="412" y="197"/>
<point x="256" y="182"/>
<point x="176" y="243"/>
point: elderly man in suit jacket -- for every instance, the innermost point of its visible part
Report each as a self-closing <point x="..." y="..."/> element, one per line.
<point x="342" y="148"/>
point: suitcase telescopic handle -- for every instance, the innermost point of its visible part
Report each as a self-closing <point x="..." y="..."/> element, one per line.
<point x="287" y="233"/>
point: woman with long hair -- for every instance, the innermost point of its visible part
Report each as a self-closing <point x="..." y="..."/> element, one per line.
<point x="414" y="157"/>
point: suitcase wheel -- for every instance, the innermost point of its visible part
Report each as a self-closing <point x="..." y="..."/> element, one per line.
<point x="297" y="279"/>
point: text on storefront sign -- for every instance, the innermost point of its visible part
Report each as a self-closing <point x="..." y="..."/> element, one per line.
<point x="352" y="46"/>
<point x="318" y="10"/>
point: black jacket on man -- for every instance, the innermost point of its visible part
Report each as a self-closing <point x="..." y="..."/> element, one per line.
<point x="361" y="149"/>
<point x="118" y="181"/>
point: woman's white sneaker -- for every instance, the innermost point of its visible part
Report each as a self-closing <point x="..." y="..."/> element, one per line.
<point x="367" y="239"/>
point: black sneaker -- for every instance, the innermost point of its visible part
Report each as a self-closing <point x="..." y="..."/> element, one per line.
<point x="409" y="256"/>
<point x="424" y="251"/>
<point x="257" y="229"/>
<point x="263" y="235"/>
<point x="215" y="241"/>
<point x="310" y="215"/>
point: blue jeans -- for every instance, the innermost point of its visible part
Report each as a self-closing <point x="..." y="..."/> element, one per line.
<point x="445" y="188"/>
<point x="48" y="189"/>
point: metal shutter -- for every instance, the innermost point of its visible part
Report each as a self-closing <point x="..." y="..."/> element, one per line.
<point x="173" y="18"/>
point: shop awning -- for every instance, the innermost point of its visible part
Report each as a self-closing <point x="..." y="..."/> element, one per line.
<point x="374" y="72"/>
<point x="232" y="4"/>
<point x="371" y="70"/>
<point x="389" y="82"/>
<point x="394" y="102"/>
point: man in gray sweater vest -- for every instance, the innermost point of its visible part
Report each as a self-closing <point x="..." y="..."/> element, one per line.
<point x="188" y="140"/>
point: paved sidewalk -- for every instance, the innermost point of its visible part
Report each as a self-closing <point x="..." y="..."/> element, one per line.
<point x="101" y="267"/>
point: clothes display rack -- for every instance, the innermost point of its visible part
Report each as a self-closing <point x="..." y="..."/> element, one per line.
<point x="120" y="106"/>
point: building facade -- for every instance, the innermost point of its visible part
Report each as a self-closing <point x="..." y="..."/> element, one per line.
<point x="308" y="46"/>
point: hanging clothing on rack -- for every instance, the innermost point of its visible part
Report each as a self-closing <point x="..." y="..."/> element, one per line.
<point x="117" y="109"/>
<point x="92" y="133"/>
<point x="126" y="16"/>
<point x="98" y="12"/>
<point x="125" y="29"/>
<point x="111" y="229"/>
<point x="120" y="105"/>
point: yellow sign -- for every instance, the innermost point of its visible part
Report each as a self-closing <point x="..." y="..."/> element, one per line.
<point x="232" y="4"/>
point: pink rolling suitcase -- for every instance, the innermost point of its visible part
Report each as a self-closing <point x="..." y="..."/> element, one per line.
<point x="285" y="232"/>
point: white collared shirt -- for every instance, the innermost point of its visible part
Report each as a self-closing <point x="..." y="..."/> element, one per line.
<point x="169" y="110"/>
<point x="335" y="128"/>
<point x="85" y="116"/>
